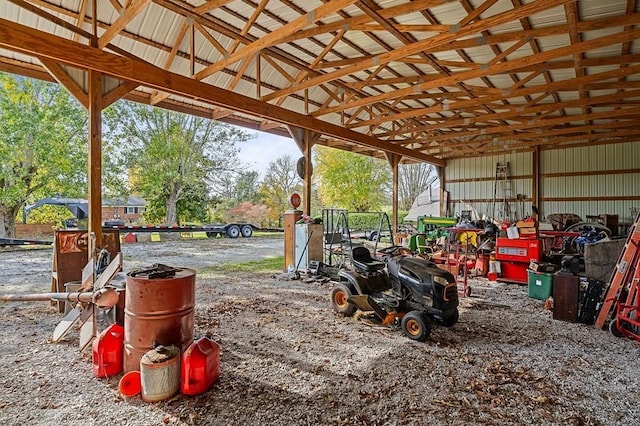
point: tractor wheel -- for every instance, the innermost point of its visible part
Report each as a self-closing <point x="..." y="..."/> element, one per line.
<point x="416" y="326"/>
<point x="247" y="231"/>
<point x="233" y="231"/>
<point x="339" y="295"/>
<point x="449" y="322"/>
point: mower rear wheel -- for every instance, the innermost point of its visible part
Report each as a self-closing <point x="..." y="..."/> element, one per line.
<point x="416" y="326"/>
<point x="449" y="322"/>
<point x="339" y="295"/>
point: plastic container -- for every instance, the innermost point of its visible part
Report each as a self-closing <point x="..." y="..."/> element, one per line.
<point x="540" y="284"/>
<point x="200" y="366"/>
<point x="108" y="348"/>
<point x="160" y="373"/>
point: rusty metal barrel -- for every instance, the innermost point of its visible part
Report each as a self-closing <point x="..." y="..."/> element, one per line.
<point x="159" y="310"/>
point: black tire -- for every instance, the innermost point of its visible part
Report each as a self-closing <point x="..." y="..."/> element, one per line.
<point x="247" y="231"/>
<point x="233" y="231"/>
<point x="416" y="326"/>
<point x="613" y="328"/>
<point x="212" y="234"/>
<point x="374" y="236"/>
<point x="450" y="321"/>
<point x="339" y="295"/>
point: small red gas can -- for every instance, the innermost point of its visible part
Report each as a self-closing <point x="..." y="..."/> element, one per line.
<point x="107" y="351"/>
<point x="200" y="366"/>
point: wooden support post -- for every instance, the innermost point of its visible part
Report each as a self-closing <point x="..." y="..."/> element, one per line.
<point x="394" y="161"/>
<point x="95" y="157"/>
<point x="444" y="201"/>
<point x="535" y="190"/>
<point x="308" y="143"/>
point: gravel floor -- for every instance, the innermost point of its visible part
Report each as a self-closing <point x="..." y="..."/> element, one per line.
<point x="287" y="359"/>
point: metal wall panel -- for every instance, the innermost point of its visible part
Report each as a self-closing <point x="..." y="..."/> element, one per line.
<point x="586" y="181"/>
<point x="613" y="175"/>
<point x="470" y="182"/>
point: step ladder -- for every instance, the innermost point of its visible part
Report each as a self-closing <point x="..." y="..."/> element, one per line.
<point x="501" y="193"/>
<point x="623" y="287"/>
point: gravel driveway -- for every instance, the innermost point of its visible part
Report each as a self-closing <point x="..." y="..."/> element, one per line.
<point x="29" y="271"/>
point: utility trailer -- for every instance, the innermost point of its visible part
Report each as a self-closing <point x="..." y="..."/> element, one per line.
<point x="20" y="242"/>
<point x="231" y="230"/>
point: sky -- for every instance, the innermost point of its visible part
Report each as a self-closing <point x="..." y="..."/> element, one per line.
<point x="265" y="148"/>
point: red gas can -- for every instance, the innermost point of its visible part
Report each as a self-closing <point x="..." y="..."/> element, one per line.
<point x="107" y="351"/>
<point x="200" y="366"/>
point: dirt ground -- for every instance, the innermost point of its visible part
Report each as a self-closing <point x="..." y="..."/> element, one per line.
<point x="287" y="359"/>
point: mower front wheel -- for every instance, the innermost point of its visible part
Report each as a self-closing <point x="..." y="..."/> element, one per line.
<point x="416" y="325"/>
<point x="339" y="295"/>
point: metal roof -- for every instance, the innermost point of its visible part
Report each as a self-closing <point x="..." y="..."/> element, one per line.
<point x="425" y="79"/>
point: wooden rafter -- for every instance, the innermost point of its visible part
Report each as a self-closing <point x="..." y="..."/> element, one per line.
<point x="126" y="16"/>
<point x="32" y="42"/>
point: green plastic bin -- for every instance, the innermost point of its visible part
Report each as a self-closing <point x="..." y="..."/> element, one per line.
<point x="540" y="284"/>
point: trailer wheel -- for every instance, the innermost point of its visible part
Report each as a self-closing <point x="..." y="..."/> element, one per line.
<point x="233" y="231"/>
<point x="416" y="326"/>
<point x="211" y="234"/>
<point x="247" y="231"/>
<point x="339" y="295"/>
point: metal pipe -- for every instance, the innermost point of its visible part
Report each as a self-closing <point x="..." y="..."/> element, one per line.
<point x="104" y="297"/>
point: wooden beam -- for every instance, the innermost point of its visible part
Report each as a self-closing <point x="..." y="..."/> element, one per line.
<point x="276" y="36"/>
<point x="65" y="80"/>
<point x="118" y="93"/>
<point x="465" y="104"/>
<point x="119" y="24"/>
<point x="38" y="43"/>
<point x="503" y="66"/>
<point x="426" y="44"/>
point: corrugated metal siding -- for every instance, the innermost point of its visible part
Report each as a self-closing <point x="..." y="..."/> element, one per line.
<point x="611" y="166"/>
<point x="476" y="191"/>
<point x="584" y="181"/>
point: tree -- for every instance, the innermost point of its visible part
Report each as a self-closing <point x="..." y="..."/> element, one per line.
<point x="174" y="158"/>
<point x="352" y="181"/>
<point x="413" y="179"/>
<point x="43" y="145"/>
<point x="280" y="180"/>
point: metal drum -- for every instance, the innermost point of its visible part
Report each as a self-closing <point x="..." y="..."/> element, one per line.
<point x="158" y="311"/>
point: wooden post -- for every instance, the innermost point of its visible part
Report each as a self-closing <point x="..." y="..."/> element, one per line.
<point x="394" y="161"/>
<point x="95" y="158"/>
<point x="535" y="189"/>
<point x="307" y="172"/>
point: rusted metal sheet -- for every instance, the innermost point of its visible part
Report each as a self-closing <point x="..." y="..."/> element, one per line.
<point x="157" y="311"/>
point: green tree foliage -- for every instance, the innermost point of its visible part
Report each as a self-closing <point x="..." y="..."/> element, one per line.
<point x="412" y="180"/>
<point x="279" y="182"/>
<point x="176" y="161"/>
<point x="352" y="181"/>
<point x="43" y="145"/>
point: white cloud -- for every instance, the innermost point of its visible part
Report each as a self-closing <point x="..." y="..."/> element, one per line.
<point x="257" y="153"/>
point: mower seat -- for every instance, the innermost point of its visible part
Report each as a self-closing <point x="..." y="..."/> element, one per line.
<point x="362" y="260"/>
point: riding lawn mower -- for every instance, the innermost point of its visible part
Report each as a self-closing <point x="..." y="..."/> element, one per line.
<point x="406" y="292"/>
